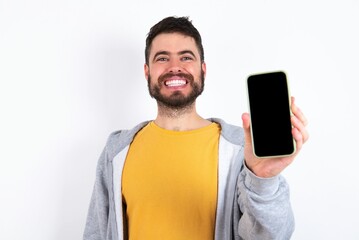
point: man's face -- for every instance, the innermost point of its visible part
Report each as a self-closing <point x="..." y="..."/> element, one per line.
<point x="175" y="73"/>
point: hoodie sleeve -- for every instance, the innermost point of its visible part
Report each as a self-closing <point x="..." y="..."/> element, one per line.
<point x="98" y="214"/>
<point x="265" y="207"/>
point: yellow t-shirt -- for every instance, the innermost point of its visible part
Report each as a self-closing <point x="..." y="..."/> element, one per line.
<point x="169" y="183"/>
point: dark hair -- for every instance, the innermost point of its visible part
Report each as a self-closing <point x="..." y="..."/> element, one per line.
<point x="174" y="25"/>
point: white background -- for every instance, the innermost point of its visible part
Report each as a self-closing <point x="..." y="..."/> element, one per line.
<point x="71" y="72"/>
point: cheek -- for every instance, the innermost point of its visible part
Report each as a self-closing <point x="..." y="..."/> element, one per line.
<point x="154" y="73"/>
<point x="197" y="73"/>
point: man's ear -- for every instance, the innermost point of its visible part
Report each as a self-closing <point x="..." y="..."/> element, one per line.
<point x="204" y="69"/>
<point x="147" y="71"/>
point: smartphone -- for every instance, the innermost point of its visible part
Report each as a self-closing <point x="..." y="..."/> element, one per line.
<point x="270" y="114"/>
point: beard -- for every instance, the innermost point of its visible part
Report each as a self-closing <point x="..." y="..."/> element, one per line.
<point x="177" y="100"/>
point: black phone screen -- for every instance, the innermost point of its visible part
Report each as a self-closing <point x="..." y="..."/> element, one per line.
<point x="269" y="106"/>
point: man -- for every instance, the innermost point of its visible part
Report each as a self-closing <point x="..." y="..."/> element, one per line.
<point x="182" y="176"/>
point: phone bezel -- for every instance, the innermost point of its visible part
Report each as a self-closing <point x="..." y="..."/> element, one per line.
<point x="249" y="110"/>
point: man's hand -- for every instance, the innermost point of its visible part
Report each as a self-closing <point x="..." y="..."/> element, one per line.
<point x="270" y="167"/>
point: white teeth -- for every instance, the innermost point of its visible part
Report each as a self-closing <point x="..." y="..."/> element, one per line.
<point x="175" y="83"/>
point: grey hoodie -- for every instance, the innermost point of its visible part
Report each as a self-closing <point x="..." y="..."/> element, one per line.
<point x="248" y="207"/>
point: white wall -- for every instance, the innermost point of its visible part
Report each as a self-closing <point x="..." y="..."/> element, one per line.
<point x="72" y="71"/>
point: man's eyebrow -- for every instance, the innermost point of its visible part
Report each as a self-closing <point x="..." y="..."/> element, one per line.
<point x="179" y="53"/>
<point x="160" y="53"/>
<point x="187" y="52"/>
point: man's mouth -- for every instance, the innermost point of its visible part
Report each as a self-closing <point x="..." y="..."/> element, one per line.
<point x="175" y="83"/>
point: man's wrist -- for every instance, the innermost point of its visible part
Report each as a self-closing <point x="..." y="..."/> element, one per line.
<point x="260" y="185"/>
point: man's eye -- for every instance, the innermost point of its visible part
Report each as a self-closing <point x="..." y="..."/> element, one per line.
<point x="187" y="58"/>
<point x="162" y="59"/>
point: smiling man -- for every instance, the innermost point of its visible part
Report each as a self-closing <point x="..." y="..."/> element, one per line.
<point x="175" y="75"/>
<point x="181" y="176"/>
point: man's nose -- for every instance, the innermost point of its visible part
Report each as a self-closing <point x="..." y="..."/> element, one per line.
<point x="175" y="66"/>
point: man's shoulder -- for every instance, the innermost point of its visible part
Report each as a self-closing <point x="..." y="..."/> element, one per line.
<point x="119" y="139"/>
<point x="230" y="132"/>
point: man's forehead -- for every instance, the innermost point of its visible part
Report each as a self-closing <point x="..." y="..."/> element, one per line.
<point x="173" y="42"/>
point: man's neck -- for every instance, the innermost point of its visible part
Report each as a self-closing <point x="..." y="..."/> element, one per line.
<point x="180" y="119"/>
